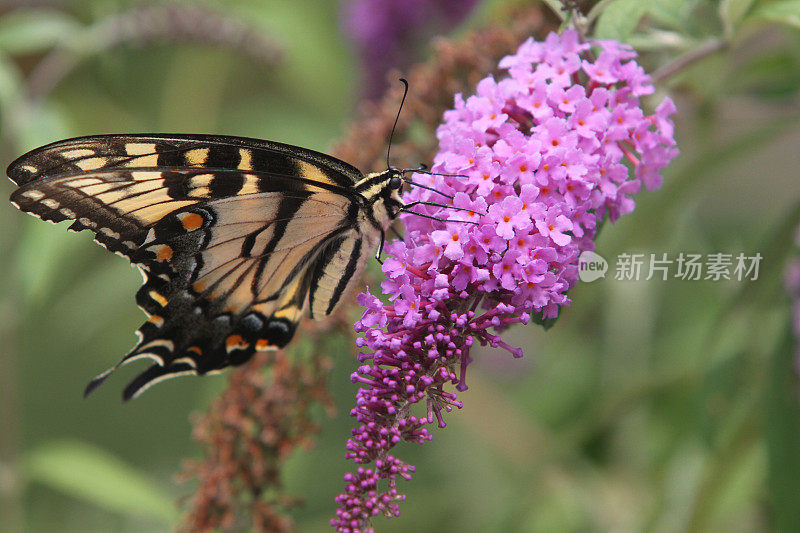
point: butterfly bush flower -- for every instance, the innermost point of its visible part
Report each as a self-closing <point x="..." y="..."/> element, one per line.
<point x="535" y="161"/>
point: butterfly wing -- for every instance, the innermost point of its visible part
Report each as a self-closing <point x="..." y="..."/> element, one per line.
<point x="120" y="185"/>
<point x="231" y="235"/>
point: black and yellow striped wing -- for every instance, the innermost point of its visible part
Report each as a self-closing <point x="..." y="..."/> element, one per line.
<point x="233" y="236"/>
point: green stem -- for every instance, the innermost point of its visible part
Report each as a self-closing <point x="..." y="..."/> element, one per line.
<point x="719" y="469"/>
<point x="688" y="59"/>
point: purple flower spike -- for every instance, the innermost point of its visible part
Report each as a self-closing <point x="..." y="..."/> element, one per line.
<point x="544" y="155"/>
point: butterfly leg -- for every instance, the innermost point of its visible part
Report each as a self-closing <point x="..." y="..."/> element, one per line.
<point x="380" y="247"/>
<point x="404" y="210"/>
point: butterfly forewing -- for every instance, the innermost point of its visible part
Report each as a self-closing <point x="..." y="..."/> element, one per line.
<point x="232" y="235"/>
<point x="118" y="186"/>
<point x="85" y="154"/>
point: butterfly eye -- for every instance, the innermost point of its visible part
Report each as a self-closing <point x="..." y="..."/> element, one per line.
<point x="395" y="182"/>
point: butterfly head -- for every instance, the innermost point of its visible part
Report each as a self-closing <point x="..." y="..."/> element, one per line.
<point x="391" y="188"/>
<point x="394" y="177"/>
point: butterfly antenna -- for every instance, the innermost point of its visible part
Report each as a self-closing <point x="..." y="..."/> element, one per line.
<point x="423" y="169"/>
<point x="441" y="174"/>
<point x="391" y="135"/>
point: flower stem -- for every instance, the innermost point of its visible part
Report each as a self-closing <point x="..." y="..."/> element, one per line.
<point x="688" y="59"/>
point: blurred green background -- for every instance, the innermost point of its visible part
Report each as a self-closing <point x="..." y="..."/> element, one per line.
<point x="651" y="406"/>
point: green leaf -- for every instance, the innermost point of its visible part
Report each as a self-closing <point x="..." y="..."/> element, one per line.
<point x="732" y="12"/>
<point x="783" y="12"/>
<point x="33" y="31"/>
<point x="669" y="13"/>
<point x="93" y="475"/>
<point x="782" y="431"/>
<point x="10" y="82"/>
<point x="770" y="75"/>
<point x="619" y="19"/>
<point x="556" y="7"/>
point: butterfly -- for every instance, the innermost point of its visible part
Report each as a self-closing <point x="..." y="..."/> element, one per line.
<point x="235" y="237"/>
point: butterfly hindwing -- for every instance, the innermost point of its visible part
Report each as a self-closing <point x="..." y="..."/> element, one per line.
<point x="232" y="282"/>
<point x="339" y="265"/>
<point x="231" y="235"/>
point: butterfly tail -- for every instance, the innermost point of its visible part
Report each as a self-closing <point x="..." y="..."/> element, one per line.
<point x="153" y="375"/>
<point x="134" y="355"/>
<point x="97" y="381"/>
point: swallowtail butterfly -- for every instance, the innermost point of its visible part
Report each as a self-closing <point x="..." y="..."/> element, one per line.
<point x="234" y="237"/>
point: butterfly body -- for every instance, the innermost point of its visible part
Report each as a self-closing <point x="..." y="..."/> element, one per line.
<point x="236" y="238"/>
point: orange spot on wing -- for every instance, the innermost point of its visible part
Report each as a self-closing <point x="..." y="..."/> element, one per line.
<point x="164" y="253"/>
<point x="191" y="221"/>
<point x="235" y="342"/>
<point x="195" y="349"/>
<point x="156" y="320"/>
<point x="263" y="345"/>
<point x="159" y="299"/>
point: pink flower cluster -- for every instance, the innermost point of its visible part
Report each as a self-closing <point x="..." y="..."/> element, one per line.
<point x="544" y="155"/>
